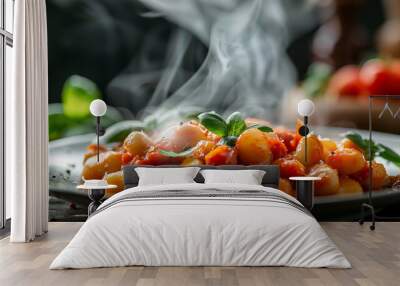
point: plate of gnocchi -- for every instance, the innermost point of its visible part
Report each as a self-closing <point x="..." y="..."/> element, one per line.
<point x="338" y="156"/>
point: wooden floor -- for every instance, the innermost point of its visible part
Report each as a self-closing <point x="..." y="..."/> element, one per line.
<point x="375" y="257"/>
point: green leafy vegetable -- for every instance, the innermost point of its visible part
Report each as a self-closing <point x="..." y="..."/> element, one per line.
<point x="77" y="94"/>
<point x="377" y="150"/>
<point x="72" y="116"/>
<point x="232" y="127"/>
<point x="236" y="124"/>
<point x="228" y="140"/>
<point x="389" y="154"/>
<point x="214" y="122"/>
<point x="228" y="130"/>
<point x="363" y="144"/>
<point x="358" y="140"/>
<point x="176" y="155"/>
<point x="261" y="128"/>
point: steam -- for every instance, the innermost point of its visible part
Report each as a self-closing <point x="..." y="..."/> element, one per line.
<point x="246" y="67"/>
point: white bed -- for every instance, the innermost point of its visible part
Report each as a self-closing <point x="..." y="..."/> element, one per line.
<point x="271" y="229"/>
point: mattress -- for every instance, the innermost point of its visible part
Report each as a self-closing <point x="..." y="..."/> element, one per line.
<point x="201" y="225"/>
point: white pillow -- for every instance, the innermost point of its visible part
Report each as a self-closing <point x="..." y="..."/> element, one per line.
<point x="248" y="177"/>
<point x="166" y="176"/>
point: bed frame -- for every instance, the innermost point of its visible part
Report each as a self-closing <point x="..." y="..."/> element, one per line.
<point x="271" y="177"/>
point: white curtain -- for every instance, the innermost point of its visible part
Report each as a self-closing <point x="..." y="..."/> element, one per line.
<point x="26" y="124"/>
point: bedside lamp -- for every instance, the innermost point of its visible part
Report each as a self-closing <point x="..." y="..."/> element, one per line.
<point x="96" y="188"/>
<point x="305" y="185"/>
<point x="305" y="108"/>
<point x="98" y="108"/>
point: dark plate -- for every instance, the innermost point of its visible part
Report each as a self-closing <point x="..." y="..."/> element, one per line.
<point x="65" y="167"/>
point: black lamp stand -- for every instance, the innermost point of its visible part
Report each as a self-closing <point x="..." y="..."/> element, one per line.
<point x="369" y="205"/>
<point x="305" y="193"/>
<point x="99" y="132"/>
<point x="303" y="131"/>
<point x="96" y="195"/>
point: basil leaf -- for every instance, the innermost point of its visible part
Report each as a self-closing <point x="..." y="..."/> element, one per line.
<point x="176" y="155"/>
<point x="229" y="141"/>
<point x="363" y="144"/>
<point x="236" y="124"/>
<point x="374" y="150"/>
<point x="389" y="154"/>
<point x="214" y="123"/>
<point x="262" y="128"/>
<point x="358" y="140"/>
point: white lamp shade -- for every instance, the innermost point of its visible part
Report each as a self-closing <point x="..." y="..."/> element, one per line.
<point x="98" y="107"/>
<point x="305" y="107"/>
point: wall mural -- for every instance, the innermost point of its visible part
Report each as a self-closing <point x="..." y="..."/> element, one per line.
<point x="217" y="83"/>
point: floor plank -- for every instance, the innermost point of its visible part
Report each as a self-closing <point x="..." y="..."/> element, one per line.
<point x="375" y="257"/>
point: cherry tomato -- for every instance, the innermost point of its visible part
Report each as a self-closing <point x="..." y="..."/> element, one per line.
<point x="155" y="158"/>
<point x="126" y="158"/>
<point x="277" y="146"/>
<point x="395" y="67"/>
<point x="379" y="78"/>
<point x="290" y="138"/>
<point x="290" y="167"/>
<point x="202" y="148"/>
<point x="222" y="155"/>
<point x="346" y="82"/>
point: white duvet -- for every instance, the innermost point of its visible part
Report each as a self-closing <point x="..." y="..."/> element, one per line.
<point x="200" y="231"/>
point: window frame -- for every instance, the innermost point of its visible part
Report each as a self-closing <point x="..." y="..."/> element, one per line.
<point x="6" y="39"/>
